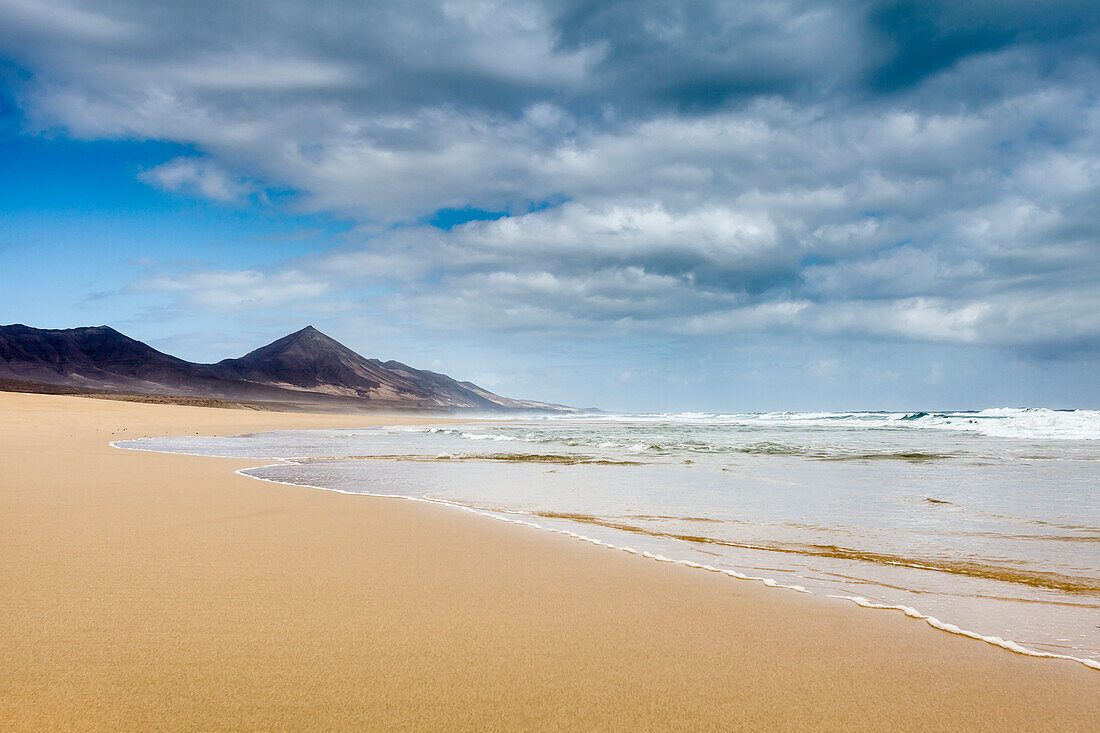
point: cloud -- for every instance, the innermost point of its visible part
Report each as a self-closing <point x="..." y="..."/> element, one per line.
<point x="28" y="18"/>
<point x="235" y="290"/>
<point x="905" y="171"/>
<point x="199" y="177"/>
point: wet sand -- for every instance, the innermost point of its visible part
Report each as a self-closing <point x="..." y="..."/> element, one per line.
<point x="144" y="590"/>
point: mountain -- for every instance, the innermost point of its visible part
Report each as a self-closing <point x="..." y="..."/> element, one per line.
<point x="305" y="368"/>
<point x="99" y="357"/>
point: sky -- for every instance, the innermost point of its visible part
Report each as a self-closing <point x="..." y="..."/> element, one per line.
<point x="646" y="206"/>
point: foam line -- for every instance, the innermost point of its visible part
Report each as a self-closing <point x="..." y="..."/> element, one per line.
<point x="953" y="629"/>
<point x="768" y="582"/>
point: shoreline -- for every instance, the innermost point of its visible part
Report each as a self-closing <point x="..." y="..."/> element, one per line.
<point x="864" y="603"/>
<point x="153" y="589"/>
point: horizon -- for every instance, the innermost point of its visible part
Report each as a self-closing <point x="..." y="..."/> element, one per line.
<point x="642" y="208"/>
<point x="588" y="409"/>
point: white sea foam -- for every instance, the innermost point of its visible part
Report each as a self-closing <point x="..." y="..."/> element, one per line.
<point x="1007" y="422"/>
<point x="1030" y="423"/>
<point x="953" y="629"/>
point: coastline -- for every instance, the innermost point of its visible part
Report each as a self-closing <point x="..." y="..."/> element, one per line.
<point x="150" y="589"/>
<point x="932" y="621"/>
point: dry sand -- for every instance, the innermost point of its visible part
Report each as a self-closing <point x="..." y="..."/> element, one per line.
<point x="150" y="591"/>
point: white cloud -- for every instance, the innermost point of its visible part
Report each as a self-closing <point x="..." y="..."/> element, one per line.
<point x="236" y="290"/>
<point x="201" y="177"/>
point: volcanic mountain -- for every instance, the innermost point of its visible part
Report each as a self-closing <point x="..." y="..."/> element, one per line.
<point x="306" y="368"/>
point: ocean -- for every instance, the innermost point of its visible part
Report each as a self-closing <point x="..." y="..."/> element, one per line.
<point x="980" y="523"/>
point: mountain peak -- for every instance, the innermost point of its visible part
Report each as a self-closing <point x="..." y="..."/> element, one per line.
<point x="308" y="359"/>
<point x="310" y="335"/>
<point x="308" y="343"/>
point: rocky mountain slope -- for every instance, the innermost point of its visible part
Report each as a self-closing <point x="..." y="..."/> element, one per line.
<point x="306" y="367"/>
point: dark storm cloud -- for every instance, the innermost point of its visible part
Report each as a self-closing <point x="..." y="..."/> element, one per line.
<point x="700" y="56"/>
<point x="924" y="38"/>
<point x="924" y="171"/>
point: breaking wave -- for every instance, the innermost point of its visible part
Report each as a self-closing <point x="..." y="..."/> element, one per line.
<point x="1002" y="422"/>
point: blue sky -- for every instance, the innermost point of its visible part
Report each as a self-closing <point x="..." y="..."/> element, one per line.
<point x="644" y="206"/>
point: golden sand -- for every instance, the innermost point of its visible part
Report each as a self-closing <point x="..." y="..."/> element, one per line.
<point x="146" y="591"/>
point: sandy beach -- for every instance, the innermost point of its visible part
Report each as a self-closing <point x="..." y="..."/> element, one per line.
<point x="145" y="590"/>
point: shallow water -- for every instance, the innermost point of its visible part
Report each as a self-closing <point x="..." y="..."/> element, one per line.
<point x="987" y="521"/>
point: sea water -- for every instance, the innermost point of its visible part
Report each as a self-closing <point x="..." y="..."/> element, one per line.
<point x="985" y="523"/>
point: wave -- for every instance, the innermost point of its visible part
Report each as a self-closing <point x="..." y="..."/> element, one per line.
<point x="953" y="629"/>
<point x="676" y="445"/>
<point x="1026" y="423"/>
<point x="1002" y="422"/>
<point x="1029" y="423"/>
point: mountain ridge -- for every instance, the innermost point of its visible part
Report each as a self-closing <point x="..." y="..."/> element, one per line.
<point x="306" y="367"/>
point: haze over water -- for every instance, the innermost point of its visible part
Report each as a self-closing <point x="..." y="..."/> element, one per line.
<point x="988" y="521"/>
